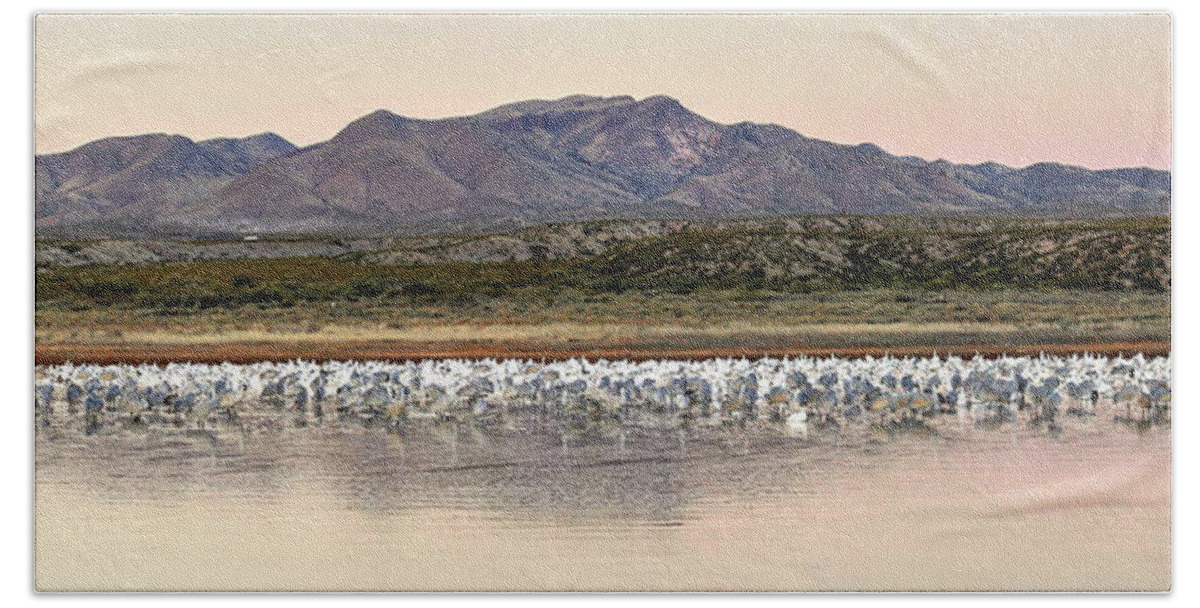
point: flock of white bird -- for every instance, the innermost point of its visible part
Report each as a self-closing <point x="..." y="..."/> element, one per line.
<point x="800" y="393"/>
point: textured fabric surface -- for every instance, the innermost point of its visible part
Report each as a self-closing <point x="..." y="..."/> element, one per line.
<point x="600" y="302"/>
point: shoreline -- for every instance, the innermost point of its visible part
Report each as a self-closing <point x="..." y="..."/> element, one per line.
<point x="391" y="350"/>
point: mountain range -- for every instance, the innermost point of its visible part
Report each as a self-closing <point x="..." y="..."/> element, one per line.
<point x="533" y="162"/>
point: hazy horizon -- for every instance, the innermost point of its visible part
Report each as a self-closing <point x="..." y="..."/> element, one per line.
<point x="1092" y="90"/>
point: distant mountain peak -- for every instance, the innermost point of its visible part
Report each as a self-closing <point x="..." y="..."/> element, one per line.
<point x="570" y="103"/>
<point x="380" y="123"/>
<point x="581" y="99"/>
<point x="579" y="157"/>
<point x="871" y="149"/>
<point x="661" y="101"/>
<point x="265" y="144"/>
<point x="133" y="180"/>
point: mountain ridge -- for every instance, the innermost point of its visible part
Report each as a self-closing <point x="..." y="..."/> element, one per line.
<point x="536" y="161"/>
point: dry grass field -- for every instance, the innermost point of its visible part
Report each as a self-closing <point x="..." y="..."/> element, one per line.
<point x="629" y="325"/>
<point x="638" y="289"/>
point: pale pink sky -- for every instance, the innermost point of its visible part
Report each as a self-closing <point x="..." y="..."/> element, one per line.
<point x="1086" y="89"/>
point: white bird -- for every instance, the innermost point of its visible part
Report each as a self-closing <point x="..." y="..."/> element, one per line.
<point x="800" y="392"/>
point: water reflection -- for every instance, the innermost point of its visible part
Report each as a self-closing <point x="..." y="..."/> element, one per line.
<point x="518" y="505"/>
<point x="522" y="468"/>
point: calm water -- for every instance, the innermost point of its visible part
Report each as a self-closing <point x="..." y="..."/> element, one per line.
<point x="457" y="507"/>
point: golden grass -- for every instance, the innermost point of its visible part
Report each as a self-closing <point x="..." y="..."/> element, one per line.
<point x="569" y="332"/>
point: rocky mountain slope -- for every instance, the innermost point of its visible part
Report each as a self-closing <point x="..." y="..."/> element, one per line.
<point x="572" y="159"/>
<point x="128" y="183"/>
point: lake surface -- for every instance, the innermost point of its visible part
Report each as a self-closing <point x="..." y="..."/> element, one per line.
<point x="454" y="506"/>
